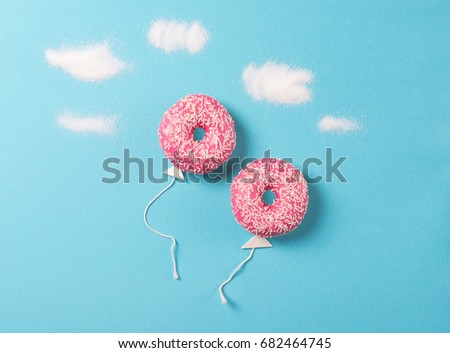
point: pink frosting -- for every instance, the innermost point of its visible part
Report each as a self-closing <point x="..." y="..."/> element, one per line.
<point x="290" y="189"/>
<point x="176" y="134"/>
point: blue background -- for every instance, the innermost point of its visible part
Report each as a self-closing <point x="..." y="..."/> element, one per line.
<point x="373" y="254"/>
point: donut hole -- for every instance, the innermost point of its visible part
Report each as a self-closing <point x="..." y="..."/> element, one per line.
<point x="269" y="197"/>
<point x="199" y="134"/>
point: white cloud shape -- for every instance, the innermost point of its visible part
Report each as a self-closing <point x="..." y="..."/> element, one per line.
<point x="277" y="83"/>
<point x="331" y="124"/>
<point x="94" y="62"/>
<point x="100" y="125"/>
<point x="171" y="36"/>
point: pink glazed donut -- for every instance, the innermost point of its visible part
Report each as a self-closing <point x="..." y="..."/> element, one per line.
<point x="290" y="189"/>
<point x="176" y="134"/>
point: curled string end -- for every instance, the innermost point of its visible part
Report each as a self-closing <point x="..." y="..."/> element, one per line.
<point x="223" y="299"/>
<point x="175" y="274"/>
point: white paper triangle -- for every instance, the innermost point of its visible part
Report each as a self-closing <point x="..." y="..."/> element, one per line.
<point x="175" y="172"/>
<point x="257" y="242"/>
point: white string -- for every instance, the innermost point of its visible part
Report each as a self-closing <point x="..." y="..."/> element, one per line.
<point x="174" y="242"/>
<point x="222" y="297"/>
